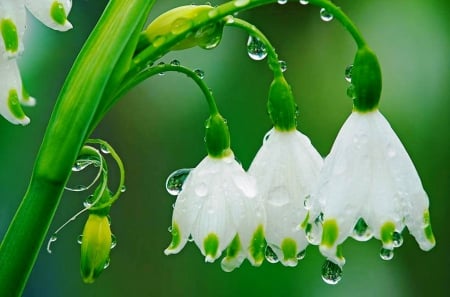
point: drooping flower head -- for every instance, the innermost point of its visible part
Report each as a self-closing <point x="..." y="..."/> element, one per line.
<point x="286" y="169"/>
<point x="368" y="185"/>
<point x="12" y="28"/>
<point x="218" y="207"/>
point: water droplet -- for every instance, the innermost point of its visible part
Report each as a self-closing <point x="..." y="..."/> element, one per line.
<point x="361" y="231"/>
<point x="397" y="239"/>
<point x="108" y="217"/>
<point x="304" y="2"/>
<point x="201" y="190"/>
<point x="113" y="241"/>
<point x="81" y="165"/>
<point x="89" y="201"/>
<point x="77" y="188"/>
<point x="348" y="73"/>
<point x="123" y="189"/>
<point x="161" y="64"/>
<point x="240" y="3"/>
<point x="331" y="273"/>
<point x="229" y="19"/>
<point x="174" y="182"/>
<point x="256" y="49"/>
<point x="351" y="93"/>
<point x="158" y="41"/>
<point x="270" y="255"/>
<point x="391" y="152"/>
<point x="319" y="220"/>
<point x="307" y="202"/>
<point x="278" y="196"/>
<point x="170" y="229"/>
<point x="80" y="239"/>
<point x="209" y="36"/>
<point x="386" y="254"/>
<point x="200" y="73"/>
<point x="325" y="15"/>
<point x="267" y="136"/>
<point x="282" y="2"/>
<point x="180" y="26"/>
<point x="175" y="62"/>
<point x="52" y="239"/>
<point x="190" y="238"/>
<point x="313" y="234"/>
<point x="107" y="263"/>
<point x="213" y="13"/>
<point x="301" y="255"/>
<point x="283" y="65"/>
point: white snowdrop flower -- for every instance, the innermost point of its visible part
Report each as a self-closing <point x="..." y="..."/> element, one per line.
<point x="369" y="187"/>
<point x="286" y="169"/>
<point x="218" y="208"/>
<point x="12" y="94"/>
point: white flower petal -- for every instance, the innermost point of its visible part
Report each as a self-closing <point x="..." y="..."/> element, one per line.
<point x="368" y="175"/>
<point x="51" y="13"/>
<point x="286" y="169"/>
<point x="12" y="27"/>
<point x="11" y="92"/>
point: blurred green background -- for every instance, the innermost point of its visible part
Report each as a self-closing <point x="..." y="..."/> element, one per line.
<point x="158" y="128"/>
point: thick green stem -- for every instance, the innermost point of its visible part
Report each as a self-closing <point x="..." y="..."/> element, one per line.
<point x="63" y="139"/>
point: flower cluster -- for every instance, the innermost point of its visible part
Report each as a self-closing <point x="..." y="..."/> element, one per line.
<point x="12" y="28"/>
<point x="290" y="197"/>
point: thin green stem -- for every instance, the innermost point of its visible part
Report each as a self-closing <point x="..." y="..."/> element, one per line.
<point x="63" y="139"/>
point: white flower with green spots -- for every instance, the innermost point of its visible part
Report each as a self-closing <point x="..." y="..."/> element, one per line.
<point x="286" y="170"/>
<point x="12" y="28"/>
<point x="369" y="187"/>
<point x="218" y="209"/>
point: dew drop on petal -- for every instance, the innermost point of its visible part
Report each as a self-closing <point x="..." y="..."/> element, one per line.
<point x="386" y="254"/>
<point x="283" y="65"/>
<point x="282" y="2"/>
<point x="200" y="73"/>
<point x="361" y="231"/>
<point x="80" y="239"/>
<point x="266" y="137"/>
<point x="348" y="73"/>
<point x="325" y="15"/>
<point x="304" y="2"/>
<point x="201" y="190"/>
<point x="397" y="239"/>
<point x="351" y="93"/>
<point x="331" y="273"/>
<point x="113" y="241"/>
<point x="307" y="202"/>
<point x="170" y="229"/>
<point x="180" y="26"/>
<point x="301" y="255"/>
<point x="256" y="49"/>
<point x="270" y="255"/>
<point x="190" y="238"/>
<point x="174" y="182"/>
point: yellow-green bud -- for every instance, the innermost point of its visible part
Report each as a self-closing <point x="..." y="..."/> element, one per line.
<point x="95" y="247"/>
<point x="179" y="21"/>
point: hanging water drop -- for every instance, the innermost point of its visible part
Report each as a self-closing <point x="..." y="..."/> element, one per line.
<point x="386" y="254"/>
<point x="348" y="73"/>
<point x="282" y="2"/>
<point x="170" y="229"/>
<point x="123" y="189"/>
<point x="174" y="182"/>
<point x="397" y="239"/>
<point x="304" y="2"/>
<point x="270" y="255"/>
<point x="190" y="238"/>
<point x="256" y="49"/>
<point x="113" y="241"/>
<point x="175" y="62"/>
<point x="80" y="239"/>
<point x="161" y="64"/>
<point x="283" y="65"/>
<point x="108" y="261"/>
<point x="301" y="255"/>
<point x="52" y="239"/>
<point x="104" y="149"/>
<point x="200" y="73"/>
<point x="361" y="231"/>
<point x="325" y="15"/>
<point x="81" y="165"/>
<point x="267" y="136"/>
<point x="89" y="201"/>
<point x="331" y="273"/>
<point x="351" y="92"/>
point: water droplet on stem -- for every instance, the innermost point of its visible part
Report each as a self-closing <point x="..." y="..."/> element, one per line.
<point x="325" y="15"/>
<point x="256" y="49"/>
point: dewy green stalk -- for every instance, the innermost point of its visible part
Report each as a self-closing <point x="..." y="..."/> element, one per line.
<point x="64" y="137"/>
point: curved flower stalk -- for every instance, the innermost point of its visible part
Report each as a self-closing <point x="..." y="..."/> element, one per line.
<point x="286" y="169"/>
<point x="12" y="28"/>
<point x="218" y="205"/>
<point x="369" y="187"/>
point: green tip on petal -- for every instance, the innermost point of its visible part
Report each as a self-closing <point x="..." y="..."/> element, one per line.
<point x="15" y="108"/>
<point x="58" y="13"/>
<point x="176" y="237"/>
<point x="234" y="248"/>
<point x="10" y="35"/>
<point x="428" y="231"/>
<point x="330" y="233"/>
<point x="387" y="233"/>
<point x="211" y="246"/>
<point x="258" y="246"/>
<point x="289" y="248"/>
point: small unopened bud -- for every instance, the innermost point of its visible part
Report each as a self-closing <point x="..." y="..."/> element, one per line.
<point x="217" y="136"/>
<point x="95" y="247"/>
<point x="281" y="105"/>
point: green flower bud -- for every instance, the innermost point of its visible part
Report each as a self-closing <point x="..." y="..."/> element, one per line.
<point x="366" y="79"/>
<point x="95" y="247"/>
<point x="179" y="21"/>
<point x="217" y="136"/>
<point x="281" y="105"/>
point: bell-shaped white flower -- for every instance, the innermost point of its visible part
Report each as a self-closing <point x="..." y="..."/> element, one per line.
<point x="286" y="170"/>
<point x="218" y="208"/>
<point x="369" y="187"/>
<point x="12" y="94"/>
